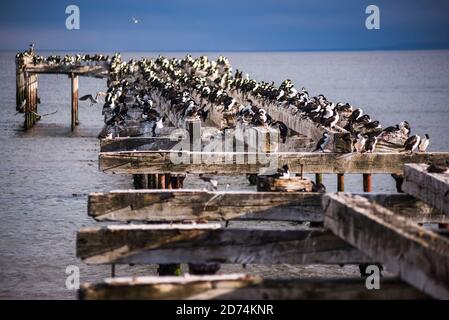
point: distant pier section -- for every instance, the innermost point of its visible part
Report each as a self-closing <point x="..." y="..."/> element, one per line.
<point x="29" y="66"/>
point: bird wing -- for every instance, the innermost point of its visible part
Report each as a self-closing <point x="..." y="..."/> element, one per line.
<point x="87" y="97"/>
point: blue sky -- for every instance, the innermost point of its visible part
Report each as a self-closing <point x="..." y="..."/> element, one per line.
<point x="225" y="25"/>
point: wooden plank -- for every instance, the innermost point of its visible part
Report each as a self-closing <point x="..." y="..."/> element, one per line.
<point x="244" y="287"/>
<point x="189" y="204"/>
<point x="432" y="188"/>
<point x="179" y="205"/>
<point x="240" y="162"/>
<point x="211" y="243"/>
<point x="100" y="71"/>
<point x="418" y="256"/>
<point x="136" y="143"/>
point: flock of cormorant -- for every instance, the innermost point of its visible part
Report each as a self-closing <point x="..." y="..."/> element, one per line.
<point x="191" y="86"/>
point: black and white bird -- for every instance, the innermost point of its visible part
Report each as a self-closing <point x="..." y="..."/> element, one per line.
<point x="360" y="143"/>
<point x="228" y="103"/>
<point x="158" y="124"/>
<point x="322" y="143"/>
<point x="260" y="118"/>
<point x="283" y="172"/>
<point x="212" y="184"/>
<point x="357" y="113"/>
<point x="391" y="129"/>
<point x="318" y="187"/>
<point x="424" y="143"/>
<point x="404" y="127"/>
<point x="370" y="144"/>
<point x="332" y="121"/>
<point x="283" y="130"/>
<point x="192" y="109"/>
<point x="412" y="143"/>
<point x="372" y="125"/>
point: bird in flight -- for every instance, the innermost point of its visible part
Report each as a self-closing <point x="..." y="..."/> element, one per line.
<point x="135" y="20"/>
<point x="91" y="98"/>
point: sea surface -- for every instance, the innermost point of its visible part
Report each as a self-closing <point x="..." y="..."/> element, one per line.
<point x="47" y="172"/>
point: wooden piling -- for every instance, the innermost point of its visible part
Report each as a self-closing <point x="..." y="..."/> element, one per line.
<point x="367" y="182"/>
<point x="74" y="121"/>
<point x="168" y="181"/>
<point x="20" y="86"/>
<point x="318" y="177"/>
<point x="340" y="182"/>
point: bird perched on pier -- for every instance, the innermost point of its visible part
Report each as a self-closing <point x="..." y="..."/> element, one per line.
<point x="158" y="124"/>
<point x="332" y="121"/>
<point x="391" y="129"/>
<point x="372" y="125"/>
<point x="212" y="184"/>
<point x="283" y="172"/>
<point x="260" y="118"/>
<point x="370" y="144"/>
<point x="318" y="187"/>
<point x="322" y="143"/>
<point x="228" y="103"/>
<point x="283" y="130"/>
<point x="192" y="109"/>
<point x="360" y="143"/>
<point x="437" y="167"/>
<point x="357" y="113"/>
<point x="412" y="143"/>
<point x="424" y="143"/>
<point x="404" y="127"/>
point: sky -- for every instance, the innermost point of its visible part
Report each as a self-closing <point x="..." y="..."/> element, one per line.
<point x="224" y="25"/>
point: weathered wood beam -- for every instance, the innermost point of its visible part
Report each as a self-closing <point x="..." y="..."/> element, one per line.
<point x="136" y="143"/>
<point x="243" y="287"/>
<point x="187" y="204"/>
<point x="432" y="188"/>
<point x="418" y="256"/>
<point x="179" y="205"/>
<point x="101" y="71"/>
<point x="240" y="162"/>
<point x="211" y="243"/>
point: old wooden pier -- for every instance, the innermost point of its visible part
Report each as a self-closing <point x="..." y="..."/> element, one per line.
<point x="332" y="228"/>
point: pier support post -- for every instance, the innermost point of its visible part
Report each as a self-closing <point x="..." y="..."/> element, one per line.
<point x="166" y="181"/>
<point x="20" y="86"/>
<point x="74" y="100"/>
<point x="367" y="182"/>
<point x="340" y="182"/>
<point x="30" y="99"/>
<point x="318" y="178"/>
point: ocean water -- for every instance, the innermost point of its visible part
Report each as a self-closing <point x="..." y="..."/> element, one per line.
<point x="47" y="172"/>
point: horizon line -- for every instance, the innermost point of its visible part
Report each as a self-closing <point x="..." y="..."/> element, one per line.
<point x="234" y="50"/>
